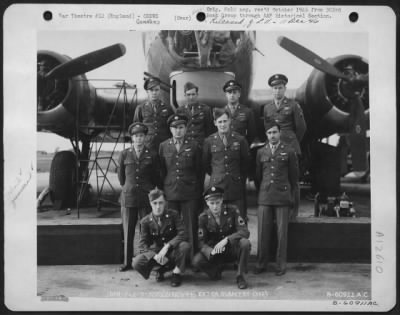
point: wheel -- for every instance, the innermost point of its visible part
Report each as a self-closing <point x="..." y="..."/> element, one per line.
<point x="62" y="181"/>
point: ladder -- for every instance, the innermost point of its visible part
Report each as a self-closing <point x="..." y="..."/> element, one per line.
<point x="98" y="162"/>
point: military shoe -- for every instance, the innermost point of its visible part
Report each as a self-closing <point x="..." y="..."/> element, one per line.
<point x="258" y="270"/>
<point x="176" y="280"/>
<point x="125" y="268"/>
<point x="241" y="282"/>
<point x="160" y="276"/>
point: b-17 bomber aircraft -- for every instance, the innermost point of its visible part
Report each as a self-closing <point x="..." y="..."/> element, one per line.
<point x="334" y="96"/>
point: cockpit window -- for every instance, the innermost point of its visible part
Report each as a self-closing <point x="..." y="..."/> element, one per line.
<point x="204" y="48"/>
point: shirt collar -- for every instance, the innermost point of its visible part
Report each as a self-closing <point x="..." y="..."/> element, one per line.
<point x="276" y="145"/>
<point x="176" y="141"/>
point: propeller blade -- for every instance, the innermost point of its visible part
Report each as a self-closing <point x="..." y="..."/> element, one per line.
<point x="357" y="136"/>
<point x="87" y="62"/>
<point x="311" y="58"/>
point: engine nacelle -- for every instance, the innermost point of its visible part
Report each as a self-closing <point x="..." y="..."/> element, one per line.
<point x="62" y="103"/>
<point x="326" y="99"/>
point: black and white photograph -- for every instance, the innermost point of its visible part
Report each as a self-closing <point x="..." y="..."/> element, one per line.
<point x="168" y="163"/>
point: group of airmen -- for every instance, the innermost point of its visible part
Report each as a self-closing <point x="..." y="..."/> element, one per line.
<point x="163" y="177"/>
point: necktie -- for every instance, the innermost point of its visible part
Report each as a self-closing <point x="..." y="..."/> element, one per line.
<point x="178" y="145"/>
<point x="224" y="140"/>
<point x="233" y="110"/>
<point x="273" y="149"/>
<point x="159" y="221"/>
<point x="217" y="219"/>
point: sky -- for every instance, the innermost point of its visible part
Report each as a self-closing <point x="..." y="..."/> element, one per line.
<point x="131" y="66"/>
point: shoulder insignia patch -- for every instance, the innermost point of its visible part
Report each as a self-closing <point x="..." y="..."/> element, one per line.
<point x="201" y="233"/>
<point x="241" y="221"/>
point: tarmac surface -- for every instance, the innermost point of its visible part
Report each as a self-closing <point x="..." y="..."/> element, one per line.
<point x="303" y="281"/>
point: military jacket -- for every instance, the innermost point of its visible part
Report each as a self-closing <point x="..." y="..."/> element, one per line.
<point x="156" y="122"/>
<point x="227" y="165"/>
<point x="278" y="174"/>
<point x="243" y="122"/>
<point x="181" y="171"/>
<point x="200" y="123"/>
<point x="290" y="117"/>
<point x="153" y="237"/>
<point x="232" y="226"/>
<point x="138" y="176"/>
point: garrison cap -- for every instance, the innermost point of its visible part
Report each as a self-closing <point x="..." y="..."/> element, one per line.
<point x="155" y="194"/>
<point x="213" y="192"/>
<point x="231" y="85"/>
<point x="137" y="127"/>
<point x="277" y="79"/>
<point x="151" y="82"/>
<point x="177" y="119"/>
<point x="190" y="86"/>
<point x="271" y="124"/>
<point x="218" y="112"/>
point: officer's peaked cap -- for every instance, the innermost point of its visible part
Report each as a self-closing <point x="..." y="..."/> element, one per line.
<point x="277" y="79"/>
<point x="231" y="85"/>
<point x="213" y="192"/>
<point x="137" y="127"/>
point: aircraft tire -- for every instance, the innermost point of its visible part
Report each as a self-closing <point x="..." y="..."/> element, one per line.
<point x="63" y="180"/>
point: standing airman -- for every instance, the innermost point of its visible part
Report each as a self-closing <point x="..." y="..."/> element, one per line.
<point x="226" y="159"/>
<point x="242" y="122"/>
<point x="289" y="115"/>
<point x="181" y="172"/>
<point x="277" y="168"/>
<point x="242" y="116"/>
<point x="154" y="114"/>
<point x="200" y="123"/>
<point x="138" y="173"/>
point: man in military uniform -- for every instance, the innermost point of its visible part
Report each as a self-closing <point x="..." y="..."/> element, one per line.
<point x="181" y="172"/>
<point x="277" y="168"/>
<point x="242" y="117"/>
<point x="226" y="159"/>
<point x="138" y="173"/>
<point x="163" y="241"/>
<point x="154" y="114"/>
<point x="242" y="122"/>
<point x="289" y="115"/>
<point x="200" y="123"/>
<point x="223" y="237"/>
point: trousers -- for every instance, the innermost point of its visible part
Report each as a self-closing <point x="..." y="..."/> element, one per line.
<point x="188" y="209"/>
<point x="266" y="215"/>
<point x="238" y="251"/>
<point x="144" y="263"/>
<point x="130" y="217"/>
